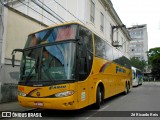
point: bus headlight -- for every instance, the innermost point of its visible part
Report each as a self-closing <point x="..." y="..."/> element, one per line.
<point x="21" y="94"/>
<point x="64" y="94"/>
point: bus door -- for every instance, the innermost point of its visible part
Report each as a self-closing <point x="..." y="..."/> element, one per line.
<point x="84" y="65"/>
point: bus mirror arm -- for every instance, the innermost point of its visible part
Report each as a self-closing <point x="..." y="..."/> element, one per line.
<point x="13" y="55"/>
<point x="13" y="58"/>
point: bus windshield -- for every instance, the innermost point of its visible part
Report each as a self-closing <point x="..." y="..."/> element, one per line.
<point x="48" y="64"/>
<point x="60" y="33"/>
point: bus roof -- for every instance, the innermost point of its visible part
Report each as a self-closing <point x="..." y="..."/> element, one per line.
<point x="134" y="68"/>
<point x="57" y="25"/>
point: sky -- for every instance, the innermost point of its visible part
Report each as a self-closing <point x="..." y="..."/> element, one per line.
<point x="136" y="12"/>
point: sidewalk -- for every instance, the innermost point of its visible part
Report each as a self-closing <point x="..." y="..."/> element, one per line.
<point x="12" y="107"/>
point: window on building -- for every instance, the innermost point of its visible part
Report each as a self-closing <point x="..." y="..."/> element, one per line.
<point x="92" y="12"/>
<point x="102" y="22"/>
<point x="117" y="36"/>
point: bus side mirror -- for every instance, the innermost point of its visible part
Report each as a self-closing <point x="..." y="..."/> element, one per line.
<point x="13" y="55"/>
<point x="13" y="59"/>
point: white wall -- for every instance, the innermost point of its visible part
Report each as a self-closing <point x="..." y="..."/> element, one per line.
<point x="80" y="9"/>
<point x="16" y="29"/>
<point x="108" y="21"/>
<point x="1" y="30"/>
<point x="75" y="7"/>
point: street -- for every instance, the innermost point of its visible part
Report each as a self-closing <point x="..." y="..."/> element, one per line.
<point x="140" y="100"/>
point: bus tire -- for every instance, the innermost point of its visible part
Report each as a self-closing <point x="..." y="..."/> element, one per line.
<point x="98" y="98"/>
<point x="129" y="87"/>
<point x="126" y="89"/>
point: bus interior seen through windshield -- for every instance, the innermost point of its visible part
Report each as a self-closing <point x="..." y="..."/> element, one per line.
<point x="49" y="56"/>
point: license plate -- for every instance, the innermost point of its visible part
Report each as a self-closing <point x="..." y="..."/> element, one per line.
<point x="38" y="104"/>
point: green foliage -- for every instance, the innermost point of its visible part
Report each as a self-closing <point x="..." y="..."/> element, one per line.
<point x="140" y="64"/>
<point x="154" y="60"/>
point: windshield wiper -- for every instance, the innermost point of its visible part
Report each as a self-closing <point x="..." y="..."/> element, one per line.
<point x="29" y="75"/>
<point x="35" y="67"/>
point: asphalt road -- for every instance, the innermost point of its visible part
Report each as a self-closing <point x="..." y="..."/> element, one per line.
<point x="143" y="101"/>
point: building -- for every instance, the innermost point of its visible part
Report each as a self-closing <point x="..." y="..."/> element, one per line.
<point x="139" y="44"/>
<point x="25" y="16"/>
<point x="98" y="15"/>
<point x="13" y="33"/>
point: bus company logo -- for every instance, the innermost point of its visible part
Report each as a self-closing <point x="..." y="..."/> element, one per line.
<point x="57" y="87"/>
<point x="38" y="94"/>
<point x="104" y="67"/>
<point x="118" y="69"/>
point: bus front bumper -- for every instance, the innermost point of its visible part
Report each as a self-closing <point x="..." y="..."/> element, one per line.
<point x="65" y="103"/>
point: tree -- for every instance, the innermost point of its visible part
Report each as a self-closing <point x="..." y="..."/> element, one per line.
<point x="140" y="64"/>
<point x="154" y="60"/>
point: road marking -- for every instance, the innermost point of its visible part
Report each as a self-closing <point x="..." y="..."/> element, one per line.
<point x="92" y="115"/>
<point x="103" y="108"/>
<point x="97" y="111"/>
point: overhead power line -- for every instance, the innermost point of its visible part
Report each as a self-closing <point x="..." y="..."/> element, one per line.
<point x="37" y="12"/>
<point x="46" y="10"/>
<point x="68" y="11"/>
<point x="52" y="10"/>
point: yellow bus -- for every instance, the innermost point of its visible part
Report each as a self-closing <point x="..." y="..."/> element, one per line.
<point x="68" y="67"/>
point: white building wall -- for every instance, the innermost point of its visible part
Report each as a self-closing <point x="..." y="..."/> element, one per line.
<point x="108" y="22"/>
<point x="75" y="7"/>
<point x="1" y="30"/>
<point x="81" y="10"/>
<point x="14" y="36"/>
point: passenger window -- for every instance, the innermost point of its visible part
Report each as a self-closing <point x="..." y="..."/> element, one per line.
<point x="100" y="50"/>
<point x="87" y="37"/>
